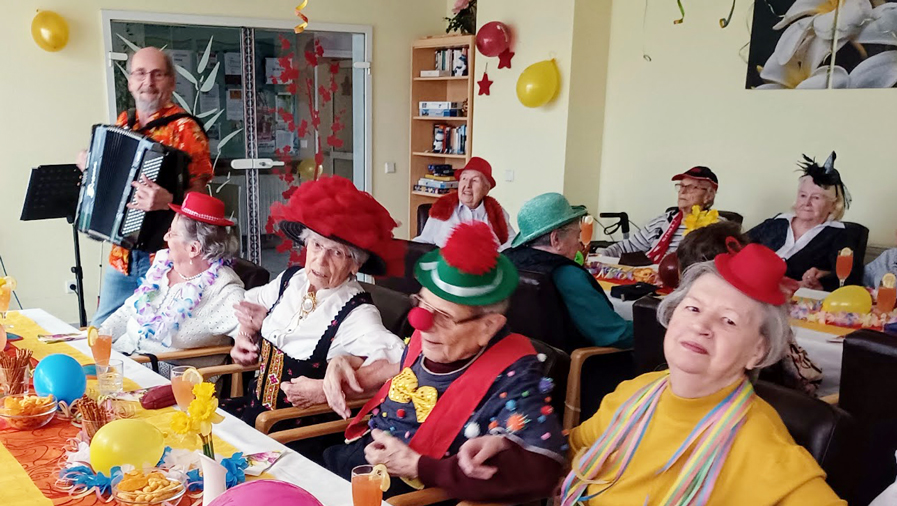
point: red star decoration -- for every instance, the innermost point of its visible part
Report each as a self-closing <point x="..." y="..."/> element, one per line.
<point x="485" y="84"/>
<point x="504" y="59"/>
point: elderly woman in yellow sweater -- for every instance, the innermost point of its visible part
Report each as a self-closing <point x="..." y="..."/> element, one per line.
<point x="698" y="434"/>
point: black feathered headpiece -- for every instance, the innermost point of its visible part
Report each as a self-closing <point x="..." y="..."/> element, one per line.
<point x="826" y="175"/>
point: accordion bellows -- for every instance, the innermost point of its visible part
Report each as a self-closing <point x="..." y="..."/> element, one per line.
<point x="118" y="157"/>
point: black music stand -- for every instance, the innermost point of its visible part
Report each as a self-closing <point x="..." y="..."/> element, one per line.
<point x="53" y="192"/>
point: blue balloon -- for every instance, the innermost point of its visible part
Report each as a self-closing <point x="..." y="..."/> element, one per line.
<point x="60" y="375"/>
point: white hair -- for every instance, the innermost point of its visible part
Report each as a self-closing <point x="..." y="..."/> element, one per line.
<point x="775" y="327"/>
<point x="215" y="241"/>
<point x="358" y="255"/>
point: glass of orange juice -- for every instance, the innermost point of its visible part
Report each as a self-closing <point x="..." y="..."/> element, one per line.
<point x="183" y="378"/>
<point x="844" y="264"/>
<point x="7" y="286"/>
<point x="886" y="298"/>
<point x="368" y="485"/>
<point x="100" y="346"/>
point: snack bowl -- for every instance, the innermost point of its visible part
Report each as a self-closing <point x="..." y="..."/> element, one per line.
<point x="149" y="487"/>
<point x="27" y="411"/>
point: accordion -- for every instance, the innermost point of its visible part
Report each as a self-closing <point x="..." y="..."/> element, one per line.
<point x="118" y="157"/>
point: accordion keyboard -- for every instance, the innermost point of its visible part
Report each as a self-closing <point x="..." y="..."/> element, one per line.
<point x="134" y="217"/>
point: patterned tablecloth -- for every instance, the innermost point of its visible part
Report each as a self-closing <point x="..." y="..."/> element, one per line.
<point x="30" y="460"/>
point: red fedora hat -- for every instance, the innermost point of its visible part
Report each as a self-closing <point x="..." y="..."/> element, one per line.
<point x="201" y="207"/>
<point x="478" y="164"/>
<point x="755" y="271"/>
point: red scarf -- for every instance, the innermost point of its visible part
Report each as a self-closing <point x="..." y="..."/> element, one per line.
<point x="660" y="249"/>
<point x="444" y="207"/>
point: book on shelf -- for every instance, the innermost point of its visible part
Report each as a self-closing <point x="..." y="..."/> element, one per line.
<point x="441" y="171"/>
<point x="430" y="183"/>
<point x="451" y="60"/>
<point x="449" y="139"/>
<point x="434" y="191"/>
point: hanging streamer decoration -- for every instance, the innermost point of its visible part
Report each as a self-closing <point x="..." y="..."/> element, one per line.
<point x="724" y="22"/>
<point x="304" y="23"/>
<point x="645" y="54"/>
<point x="681" y="11"/>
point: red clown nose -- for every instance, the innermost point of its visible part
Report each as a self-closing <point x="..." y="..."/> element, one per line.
<point x="420" y="319"/>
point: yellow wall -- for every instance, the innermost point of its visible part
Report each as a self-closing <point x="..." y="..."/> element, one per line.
<point x="585" y="122"/>
<point x="689" y="107"/>
<point x="531" y="142"/>
<point x="51" y="99"/>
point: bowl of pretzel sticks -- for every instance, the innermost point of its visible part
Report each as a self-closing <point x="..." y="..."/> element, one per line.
<point x="27" y="412"/>
<point x="148" y="487"/>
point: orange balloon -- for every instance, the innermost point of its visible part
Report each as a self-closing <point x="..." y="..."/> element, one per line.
<point x="50" y="31"/>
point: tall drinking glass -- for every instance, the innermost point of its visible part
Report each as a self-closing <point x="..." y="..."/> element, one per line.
<point x="366" y="486"/>
<point x="844" y="265"/>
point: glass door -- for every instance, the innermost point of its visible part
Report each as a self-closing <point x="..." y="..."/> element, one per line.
<point x="263" y="94"/>
<point x="308" y="93"/>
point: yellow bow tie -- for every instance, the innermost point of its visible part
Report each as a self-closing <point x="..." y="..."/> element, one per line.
<point x="404" y="389"/>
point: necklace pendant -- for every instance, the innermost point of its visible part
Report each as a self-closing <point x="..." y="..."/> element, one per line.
<point x="308" y="304"/>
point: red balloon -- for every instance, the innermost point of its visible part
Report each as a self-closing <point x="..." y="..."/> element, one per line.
<point x="493" y="38"/>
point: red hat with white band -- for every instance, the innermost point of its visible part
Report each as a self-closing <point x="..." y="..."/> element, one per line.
<point x="201" y="207"/>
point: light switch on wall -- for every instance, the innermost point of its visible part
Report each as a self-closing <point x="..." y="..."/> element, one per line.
<point x="509" y="175"/>
<point x="390" y="167"/>
<point x="303" y="143"/>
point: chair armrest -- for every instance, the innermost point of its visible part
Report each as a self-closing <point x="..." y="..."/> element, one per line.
<point x="574" y="381"/>
<point x="208" y="372"/>
<point x="320" y="429"/>
<point x="267" y="419"/>
<point x="831" y="399"/>
<point x="420" y="497"/>
<point x="207" y="351"/>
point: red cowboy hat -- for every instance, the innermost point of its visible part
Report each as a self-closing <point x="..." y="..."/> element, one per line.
<point x="334" y="208"/>
<point x="478" y="164"/>
<point x="201" y="207"/>
<point x="755" y="271"/>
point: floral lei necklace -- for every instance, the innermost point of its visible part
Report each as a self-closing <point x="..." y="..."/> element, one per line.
<point x="160" y="323"/>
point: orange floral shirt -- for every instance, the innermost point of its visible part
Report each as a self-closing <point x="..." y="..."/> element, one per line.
<point x="183" y="134"/>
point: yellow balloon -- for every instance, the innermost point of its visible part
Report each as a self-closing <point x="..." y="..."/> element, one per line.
<point x="848" y="299"/>
<point x="50" y="31"/>
<point x="126" y="441"/>
<point x="306" y="169"/>
<point x="538" y="84"/>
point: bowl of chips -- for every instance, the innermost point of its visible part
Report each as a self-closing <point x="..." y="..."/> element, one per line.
<point x="26" y="411"/>
<point x="148" y="487"/>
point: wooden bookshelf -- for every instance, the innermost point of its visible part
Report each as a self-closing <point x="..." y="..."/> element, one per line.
<point x="431" y="89"/>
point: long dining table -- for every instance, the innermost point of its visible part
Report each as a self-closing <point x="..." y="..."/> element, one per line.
<point x="29" y="460"/>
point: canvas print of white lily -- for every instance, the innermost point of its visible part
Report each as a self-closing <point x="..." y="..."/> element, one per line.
<point x="819" y="44"/>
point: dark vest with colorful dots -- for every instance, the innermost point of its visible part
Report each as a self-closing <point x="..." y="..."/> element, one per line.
<point x="501" y="391"/>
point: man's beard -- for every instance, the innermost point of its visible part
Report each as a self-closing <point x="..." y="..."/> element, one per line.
<point x="148" y="106"/>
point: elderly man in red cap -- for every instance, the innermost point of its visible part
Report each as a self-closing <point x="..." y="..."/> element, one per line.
<point x="470" y="203"/>
<point x="695" y="187"/>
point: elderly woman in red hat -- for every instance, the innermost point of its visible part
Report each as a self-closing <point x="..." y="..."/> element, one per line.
<point x="697" y="434"/>
<point x="185" y="299"/>
<point x="695" y="187"/>
<point x="470" y="203"/>
<point x="293" y="326"/>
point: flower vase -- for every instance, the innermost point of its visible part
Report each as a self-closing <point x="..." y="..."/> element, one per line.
<point x="208" y="446"/>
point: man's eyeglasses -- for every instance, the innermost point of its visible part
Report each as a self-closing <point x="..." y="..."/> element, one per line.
<point x="688" y="188"/>
<point x="155" y="75"/>
<point x="440" y="317"/>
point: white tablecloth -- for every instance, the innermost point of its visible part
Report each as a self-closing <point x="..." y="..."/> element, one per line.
<point x="292" y="467"/>
<point x="823" y="353"/>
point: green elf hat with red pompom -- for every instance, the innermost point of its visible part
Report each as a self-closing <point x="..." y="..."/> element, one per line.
<point x="468" y="270"/>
